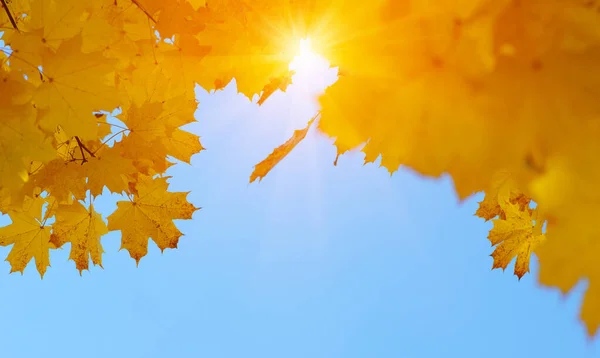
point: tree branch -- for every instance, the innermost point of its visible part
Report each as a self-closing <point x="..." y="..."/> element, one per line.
<point x="141" y="8"/>
<point x="10" y="16"/>
<point x="82" y="147"/>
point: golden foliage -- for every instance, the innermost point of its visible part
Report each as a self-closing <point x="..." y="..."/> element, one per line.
<point x="263" y="168"/>
<point x="83" y="228"/>
<point x="150" y="214"/>
<point x="29" y="234"/>
<point x="517" y="235"/>
<point x="501" y="95"/>
<point x="68" y="63"/>
<point x="480" y="89"/>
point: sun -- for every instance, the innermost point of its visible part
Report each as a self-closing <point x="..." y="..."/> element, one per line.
<point x="307" y="59"/>
<point x="312" y="72"/>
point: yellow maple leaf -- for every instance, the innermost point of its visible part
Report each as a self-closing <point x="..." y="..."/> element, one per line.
<point x="21" y="142"/>
<point x="83" y="228"/>
<point x="20" y="138"/>
<point x="516" y="236"/>
<point x="65" y="145"/>
<point x="148" y="157"/>
<point x="182" y="145"/>
<point x="181" y="61"/>
<point x="468" y="88"/>
<point x="29" y="235"/>
<point x="61" y="179"/>
<point x="151" y="84"/>
<point x="75" y="85"/>
<point x="196" y="4"/>
<point x="277" y="83"/>
<point x="180" y="17"/>
<point x="41" y="27"/>
<point x="503" y="189"/>
<point x="112" y="25"/>
<point x="26" y="52"/>
<point x="263" y="168"/>
<point x="250" y="41"/>
<point x="154" y="134"/>
<point x="568" y="193"/>
<point x="57" y="21"/>
<point x="436" y="79"/>
<point x="13" y="82"/>
<point x="150" y="214"/>
<point x="108" y="168"/>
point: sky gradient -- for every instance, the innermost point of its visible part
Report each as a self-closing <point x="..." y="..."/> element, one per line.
<point x="314" y="261"/>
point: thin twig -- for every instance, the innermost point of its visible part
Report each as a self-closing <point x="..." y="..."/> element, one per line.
<point x="87" y="150"/>
<point x="114" y="125"/>
<point x="141" y="8"/>
<point x="82" y="147"/>
<point x="10" y="16"/>
<point x="111" y="137"/>
<point x="36" y="169"/>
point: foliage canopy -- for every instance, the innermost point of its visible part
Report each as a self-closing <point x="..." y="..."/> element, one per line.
<point x="501" y="95"/>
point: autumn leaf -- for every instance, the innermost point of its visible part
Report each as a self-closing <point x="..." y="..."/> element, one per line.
<point x="181" y="18"/>
<point x="39" y="28"/>
<point x="502" y="189"/>
<point x="61" y="179"/>
<point x="263" y="168"/>
<point x="277" y="83"/>
<point x="567" y="192"/>
<point x="29" y="235"/>
<point x="65" y="145"/>
<point x="501" y="96"/>
<point x="182" y="145"/>
<point x="56" y="21"/>
<point x="250" y="41"/>
<point x="82" y="228"/>
<point x="21" y="141"/>
<point x="150" y="214"/>
<point x="154" y="135"/>
<point x="108" y="168"/>
<point x="516" y="236"/>
<point x="113" y="26"/>
<point x="75" y="88"/>
<point x="181" y="61"/>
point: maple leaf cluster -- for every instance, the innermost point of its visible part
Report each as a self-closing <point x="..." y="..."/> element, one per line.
<point x="65" y="65"/>
<point x="502" y="95"/>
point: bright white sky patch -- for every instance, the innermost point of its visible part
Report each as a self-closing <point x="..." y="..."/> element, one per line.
<point x="313" y="72"/>
<point x="306" y="58"/>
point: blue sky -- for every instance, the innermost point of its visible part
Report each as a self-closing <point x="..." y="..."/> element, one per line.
<point x="314" y="261"/>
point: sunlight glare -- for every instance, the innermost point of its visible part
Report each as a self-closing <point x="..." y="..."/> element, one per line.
<point x="306" y="59"/>
<point x="312" y="71"/>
